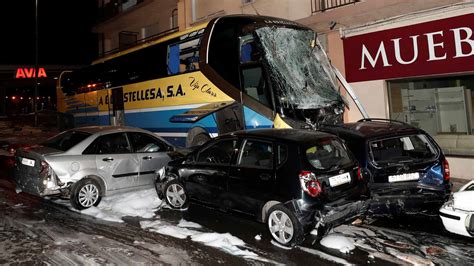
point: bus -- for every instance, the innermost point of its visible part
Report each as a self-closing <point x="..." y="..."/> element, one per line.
<point x="234" y="72"/>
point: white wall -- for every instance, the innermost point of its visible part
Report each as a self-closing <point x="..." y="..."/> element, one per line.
<point x="374" y="98"/>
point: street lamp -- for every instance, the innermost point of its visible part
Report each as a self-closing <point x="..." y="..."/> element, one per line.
<point x="35" y="109"/>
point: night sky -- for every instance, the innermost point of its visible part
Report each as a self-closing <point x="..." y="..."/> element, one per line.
<point x="65" y="36"/>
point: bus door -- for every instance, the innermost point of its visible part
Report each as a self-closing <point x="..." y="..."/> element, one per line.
<point x="116" y="108"/>
<point x="255" y="88"/>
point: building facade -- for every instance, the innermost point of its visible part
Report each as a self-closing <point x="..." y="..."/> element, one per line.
<point x="411" y="61"/>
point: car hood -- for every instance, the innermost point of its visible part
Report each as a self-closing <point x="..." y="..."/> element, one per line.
<point x="464" y="200"/>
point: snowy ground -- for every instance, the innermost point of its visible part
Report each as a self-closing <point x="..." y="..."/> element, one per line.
<point x="138" y="228"/>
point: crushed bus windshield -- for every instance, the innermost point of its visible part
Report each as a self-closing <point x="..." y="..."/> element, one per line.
<point x="300" y="69"/>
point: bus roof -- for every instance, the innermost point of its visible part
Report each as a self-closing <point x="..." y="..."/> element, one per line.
<point x="150" y="43"/>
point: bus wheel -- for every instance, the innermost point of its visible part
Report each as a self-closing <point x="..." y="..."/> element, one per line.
<point x="200" y="139"/>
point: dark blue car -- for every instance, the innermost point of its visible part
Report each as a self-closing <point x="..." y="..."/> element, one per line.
<point x="405" y="170"/>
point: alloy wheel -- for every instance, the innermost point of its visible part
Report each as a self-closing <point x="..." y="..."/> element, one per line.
<point x="281" y="227"/>
<point x="175" y="195"/>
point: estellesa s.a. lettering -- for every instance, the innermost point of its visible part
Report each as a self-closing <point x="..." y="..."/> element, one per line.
<point x="148" y="94"/>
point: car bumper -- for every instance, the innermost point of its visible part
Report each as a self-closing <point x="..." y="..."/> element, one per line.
<point x="419" y="201"/>
<point x="335" y="215"/>
<point x="457" y="221"/>
<point x="35" y="184"/>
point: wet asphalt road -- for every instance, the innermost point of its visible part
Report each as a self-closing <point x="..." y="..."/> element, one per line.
<point x="35" y="230"/>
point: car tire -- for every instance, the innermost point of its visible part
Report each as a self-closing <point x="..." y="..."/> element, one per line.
<point x="200" y="139"/>
<point x="175" y="195"/>
<point x="283" y="226"/>
<point x="85" y="193"/>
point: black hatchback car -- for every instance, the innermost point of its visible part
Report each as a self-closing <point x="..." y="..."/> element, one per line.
<point x="405" y="170"/>
<point x="294" y="180"/>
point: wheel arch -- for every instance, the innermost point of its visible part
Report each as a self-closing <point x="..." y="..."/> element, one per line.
<point x="262" y="217"/>
<point x="193" y="132"/>
<point x="102" y="184"/>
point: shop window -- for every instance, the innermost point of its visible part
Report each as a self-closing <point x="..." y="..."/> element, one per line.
<point x="442" y="107"/>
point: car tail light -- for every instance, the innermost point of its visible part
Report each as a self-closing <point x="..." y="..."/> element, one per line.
<point x="446" y="172"/>
<point x="310" y="184"/>
<point x="359" y="174"/>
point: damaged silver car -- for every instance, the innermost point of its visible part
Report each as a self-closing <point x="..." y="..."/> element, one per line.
<point x="87" y="163"/>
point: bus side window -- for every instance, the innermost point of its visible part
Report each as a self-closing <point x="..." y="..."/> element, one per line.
<point x="183" y="56"/>
<point x="173" y="59"/>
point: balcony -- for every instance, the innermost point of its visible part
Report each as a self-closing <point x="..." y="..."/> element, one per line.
<point x="115" y="7"/>
<point x="323" y="5"/>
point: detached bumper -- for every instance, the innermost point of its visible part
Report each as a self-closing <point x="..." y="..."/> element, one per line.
<point x="457" y="221"/>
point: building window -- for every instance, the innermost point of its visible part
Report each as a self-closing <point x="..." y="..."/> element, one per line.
<point x="174" y="18"/>
<point x="443" y="107"/>
<point x="323" y="5"/>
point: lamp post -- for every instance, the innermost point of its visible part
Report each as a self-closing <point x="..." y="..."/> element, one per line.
<point x="35" y="103"/>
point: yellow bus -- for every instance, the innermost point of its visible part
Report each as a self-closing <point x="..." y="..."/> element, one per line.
<point x="234" y="72"/>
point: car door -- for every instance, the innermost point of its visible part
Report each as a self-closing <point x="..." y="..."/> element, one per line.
<point x="152" y="154"/>
<point x="206" y="179"/>
<point x="116" y="162"/>
<point x="252" y="178"/>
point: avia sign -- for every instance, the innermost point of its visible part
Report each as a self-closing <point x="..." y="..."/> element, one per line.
<point x="435" y="47"/>
<point x="24" y="73"/>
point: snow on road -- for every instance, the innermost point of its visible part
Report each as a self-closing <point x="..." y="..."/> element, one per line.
<point x="145" y="203"/>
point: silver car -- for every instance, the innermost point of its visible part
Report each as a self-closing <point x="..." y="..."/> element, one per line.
<point x="87" y="163"/>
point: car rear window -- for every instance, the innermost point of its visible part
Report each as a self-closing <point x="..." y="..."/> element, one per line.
<point x="403" y="149"/>
<point x="66" y="140"/>
<point x="328" y="154"/>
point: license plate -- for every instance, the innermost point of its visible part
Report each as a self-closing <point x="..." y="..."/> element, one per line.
<point x="403" y="177"/>
<point x="338" y="180"/>
<point x="28" y="162"/>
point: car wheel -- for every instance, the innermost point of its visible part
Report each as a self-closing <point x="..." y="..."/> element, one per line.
<point x="200" y="139"/>
<point x="283" y="226"/>
<point x="85" y="194"/>
<point x="175" y="195"/>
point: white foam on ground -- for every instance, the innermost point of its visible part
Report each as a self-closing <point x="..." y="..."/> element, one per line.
<point x="142" y="203"/>
<point x="225" y="242"/>
<point x="338" y="241"/>
<point x="187" y="224"/>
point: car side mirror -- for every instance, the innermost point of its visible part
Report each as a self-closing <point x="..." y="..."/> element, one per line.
<point x="169" y="148"/>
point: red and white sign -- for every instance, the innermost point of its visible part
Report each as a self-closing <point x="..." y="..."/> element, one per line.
<point x="435" y="47"/>
<point x="24" y="73"/>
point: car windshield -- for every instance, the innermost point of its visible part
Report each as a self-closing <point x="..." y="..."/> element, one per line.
<point x="66" y="140"/>
<point x="402" y="149"/>
<point x="301" y="73"/>
<point x="328" y="154"/>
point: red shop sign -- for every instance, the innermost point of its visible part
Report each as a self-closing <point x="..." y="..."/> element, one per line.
<point x="435" y="47"/>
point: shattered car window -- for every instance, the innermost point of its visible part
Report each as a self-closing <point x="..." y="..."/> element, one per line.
<point x="66" y="140"/>
<point x="402" y="149"/>
<point x="300" y="69"/>
<point x="328" y="154"/>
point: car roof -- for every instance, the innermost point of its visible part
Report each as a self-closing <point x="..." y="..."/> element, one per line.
<point x="107" y="129"/>
<point x="282" y="134"/>
<point x="372" y="128"/>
